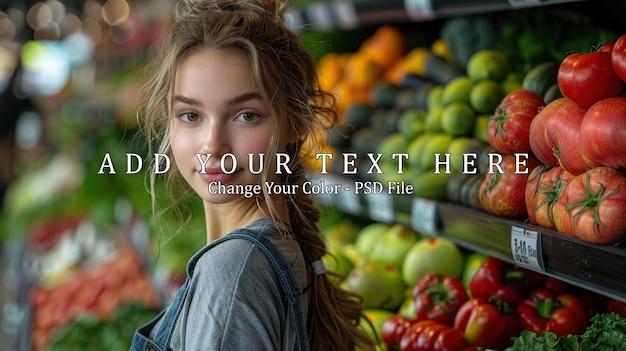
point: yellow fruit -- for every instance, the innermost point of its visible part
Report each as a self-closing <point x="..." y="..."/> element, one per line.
<point x="440" y="48"/>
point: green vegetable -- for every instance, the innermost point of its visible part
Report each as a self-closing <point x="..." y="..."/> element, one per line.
<point x="547" y="341"/>
<point x="469" y="34"/>
<point x="89" y="333"/>
<point x="531" y="37"/>
<point x="607" y="332"/>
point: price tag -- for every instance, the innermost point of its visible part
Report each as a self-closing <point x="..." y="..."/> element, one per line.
<point x="419" y="10"/>
<point x="319" y="15"/>
<point x="526" y="248"/>
<point x="347" y="17"/>
<point x="349" y="201"/>
<point x="424" y="216"/>
<point x="381" y="207"/>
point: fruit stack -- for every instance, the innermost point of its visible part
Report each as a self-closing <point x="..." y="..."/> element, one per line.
<point x="474" y="135"/>
<point x="425" y="293"/>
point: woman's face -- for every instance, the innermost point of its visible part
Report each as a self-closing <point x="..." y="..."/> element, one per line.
<point x="217" y="110"/>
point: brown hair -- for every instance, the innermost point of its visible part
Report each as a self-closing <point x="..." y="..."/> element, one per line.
<point x="284" y="72"/>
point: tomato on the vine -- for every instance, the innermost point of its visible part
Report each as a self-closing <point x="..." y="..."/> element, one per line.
<point x="502" y="191"/>
<point x="543" y="189"/>
<point x="596" y="203"/>
<point x="618" y="57"/>
<point x="508" y="130"/>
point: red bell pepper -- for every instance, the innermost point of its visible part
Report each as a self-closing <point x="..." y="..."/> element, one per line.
<point x="429" y="335"/>
<point x="561" y="314"/>
<point x="507" y="282"/>
<point x="393" y="328"/>
<point x="438" y="298"/>
<point x="487" y="323"/>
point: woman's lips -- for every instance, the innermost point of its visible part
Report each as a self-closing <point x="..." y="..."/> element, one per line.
<point x="215" y="174"/>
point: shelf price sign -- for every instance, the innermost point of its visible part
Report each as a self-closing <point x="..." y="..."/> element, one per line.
<point x="349" y="201"/>
<point x="526" y="248"/>
<point x="424" y="216"/>
<point x="381" y="207"/>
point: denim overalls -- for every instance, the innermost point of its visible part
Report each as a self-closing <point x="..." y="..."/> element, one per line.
<point x="291" y="291"/>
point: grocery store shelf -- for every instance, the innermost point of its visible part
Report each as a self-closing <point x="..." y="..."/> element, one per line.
<point x="586" y="265"/>
<point x="345" y="14"/>
<point x="564" y="257"/>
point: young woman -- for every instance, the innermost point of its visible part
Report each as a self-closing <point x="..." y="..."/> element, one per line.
<point x="232" y="88"/>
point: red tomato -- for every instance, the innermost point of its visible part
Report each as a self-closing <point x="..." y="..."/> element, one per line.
<point x="451" y="340"/>
<point x="562" y="220"/>
<point x="409" y="339"/>
<point x="562" y="135"/>
<point x="588" y="78"/>
<point x="596" y="203"/>
<point x="484" y="325"/>
<point x="618" y="57"/>
<point x="543" y="189"/>
<point x="607" y="47"/>
<point x="603" y="134"/>
<point x="393" y="328"/>
<point x="508" y="130"/>
<point x="538" y="144"/>
<point x="502" y="191"/>
<point x="427" y="338"/>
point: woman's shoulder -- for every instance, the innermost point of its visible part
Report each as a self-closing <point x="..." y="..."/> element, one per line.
<point x="236" y="251"/>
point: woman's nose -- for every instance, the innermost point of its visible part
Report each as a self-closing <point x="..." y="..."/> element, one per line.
<point x="216" y="139"/>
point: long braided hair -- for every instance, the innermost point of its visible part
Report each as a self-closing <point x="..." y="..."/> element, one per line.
<point x="284" y="72"/>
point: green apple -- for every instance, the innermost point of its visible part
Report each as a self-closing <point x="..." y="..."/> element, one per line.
<point x="344" y="232"/>
<point x="432" y="255"/>
<point x="394" y="244"/>
<point x="368" y="237"/>
<point x="337" y="262"/>
<point x="379" y="284"/>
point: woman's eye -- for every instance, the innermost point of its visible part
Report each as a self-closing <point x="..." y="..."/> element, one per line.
<point x="188" y="117"/>
<point x="248" y="117"/>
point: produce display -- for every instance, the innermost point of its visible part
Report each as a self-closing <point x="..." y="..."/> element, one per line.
<point x="534" y="138"/>
<point x="455" y="299"/>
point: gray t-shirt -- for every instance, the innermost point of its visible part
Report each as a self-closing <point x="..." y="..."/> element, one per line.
<point x="235" y="301"/>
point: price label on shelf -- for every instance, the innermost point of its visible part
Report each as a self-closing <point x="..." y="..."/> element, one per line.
<point x="349" y="200"/>
<point x="526" y="248"/>
<point x="424" y="216"/>
<point x="380" y="207"/>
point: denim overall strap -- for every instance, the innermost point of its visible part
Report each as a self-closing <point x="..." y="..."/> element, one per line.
<point x="285" y="276"/>
<point x="141" y="341"/>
